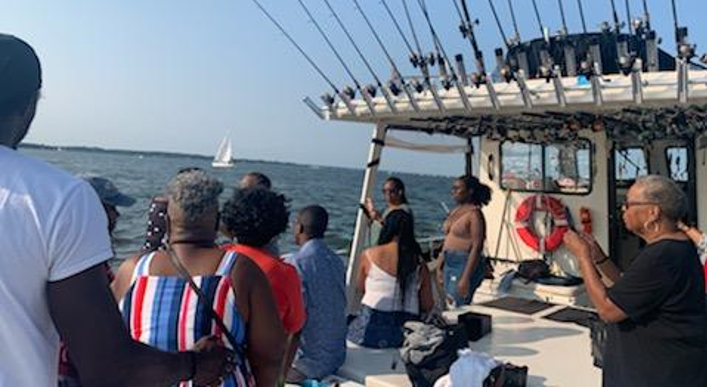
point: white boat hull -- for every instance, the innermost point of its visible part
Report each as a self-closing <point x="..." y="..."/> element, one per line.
<point x="219" y="164"/>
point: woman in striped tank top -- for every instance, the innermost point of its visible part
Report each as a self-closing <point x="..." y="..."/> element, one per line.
<point x="160" y="309"/>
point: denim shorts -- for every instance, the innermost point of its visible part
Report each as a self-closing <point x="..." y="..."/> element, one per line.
<point x="373" y="328"/>
<point x="454" y="263"/>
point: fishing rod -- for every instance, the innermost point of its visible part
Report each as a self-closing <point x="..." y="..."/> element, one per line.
<point x="502" y="65"/>
<point x="327" y="98"/>
<point x="436" y="57"/>
<point x="467" y="29"/>
<point x="537" y="17"/>
<point x="513" y="18"/>
<point x="370" y="89"/>
<point x="498" y="24"/>
<point x="521" y="56"/>
<point x="567" y="46"/>
<point x="438" y="45"/>
<point x="546" y="69"/>
<point x="646" y="15"/>
<point x="628" y="17"/>
<point x="651" y="40"/>
<point x="685" y="50"/>
<point x="348" y="90"/>
<point x="397" y="75"/>
<point x="617" y="22"/>
<point x="565" y="30"/>
<point x="623" y="56"/>
<point x="581" y="15"/>
<point x="417" y="60"/>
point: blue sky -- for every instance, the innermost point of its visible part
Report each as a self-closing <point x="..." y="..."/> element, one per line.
<point x="178" y="75"/>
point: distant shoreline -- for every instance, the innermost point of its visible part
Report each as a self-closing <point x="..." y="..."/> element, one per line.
<point x="96" y="149"/>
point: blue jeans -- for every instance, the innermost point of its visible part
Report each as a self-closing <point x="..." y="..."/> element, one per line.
<point x="454" y="263"/>
<point x="377" y="329"/>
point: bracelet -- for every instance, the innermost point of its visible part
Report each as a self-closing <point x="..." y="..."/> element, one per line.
<point x="599" y="262"/>
<point x="192" y="357"/>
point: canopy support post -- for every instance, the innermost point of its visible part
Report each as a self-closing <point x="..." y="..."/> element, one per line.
<point x="469" y="158"/>
<point x="362" y="222"/>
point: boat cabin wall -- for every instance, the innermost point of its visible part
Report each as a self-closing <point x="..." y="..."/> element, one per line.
<point x="701" y="173"/>
<point x="516" y="171"/>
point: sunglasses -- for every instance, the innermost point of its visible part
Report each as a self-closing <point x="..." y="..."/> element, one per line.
<point x="628" y="204"/>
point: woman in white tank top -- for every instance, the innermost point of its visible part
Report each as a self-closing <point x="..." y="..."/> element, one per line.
<point x="395" y="285"/>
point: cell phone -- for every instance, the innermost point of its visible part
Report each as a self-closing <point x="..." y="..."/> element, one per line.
<point x="570" y="219"/>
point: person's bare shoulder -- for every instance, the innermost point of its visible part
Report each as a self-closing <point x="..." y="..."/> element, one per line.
<point x="121" y="283"/>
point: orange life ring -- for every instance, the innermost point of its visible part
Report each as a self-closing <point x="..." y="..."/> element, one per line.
<point x="525" y="229"/>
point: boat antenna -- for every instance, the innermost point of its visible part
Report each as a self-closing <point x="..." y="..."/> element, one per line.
<point x="515" y="22"/>
<point x="565" y="30"/>
<point x="328" y="99"/>
<point x="397" y="75"/>
<point x="365" y="61"/>
<point x="537" y="16"/>
<point x="628" y="17"/>
<point x="351" y="93"/>
<point x="581" y="15"/>
<point x="498" y="24"/>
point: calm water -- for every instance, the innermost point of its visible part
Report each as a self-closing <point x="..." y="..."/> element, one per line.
<point x="337" y="189"/>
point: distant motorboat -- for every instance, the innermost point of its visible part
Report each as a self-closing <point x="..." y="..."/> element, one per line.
<point x="224" y="155"/>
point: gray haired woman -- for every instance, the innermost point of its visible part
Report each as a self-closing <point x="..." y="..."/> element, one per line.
<point x="160" y="308"/>
<point x="657" y="331"/>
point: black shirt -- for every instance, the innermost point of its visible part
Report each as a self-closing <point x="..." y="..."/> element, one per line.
<point x="663" y="342"/>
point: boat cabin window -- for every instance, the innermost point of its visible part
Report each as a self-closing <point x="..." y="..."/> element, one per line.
<point x="555" y="168"/>
<point x="631" y="163"/>
<point x="676" y="159"/>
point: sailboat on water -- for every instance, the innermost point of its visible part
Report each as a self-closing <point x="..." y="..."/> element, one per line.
<point x="224" y="155"/>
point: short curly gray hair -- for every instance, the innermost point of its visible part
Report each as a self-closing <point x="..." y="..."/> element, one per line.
<point x="195" y="192"/>
<point x="666" y="193"/>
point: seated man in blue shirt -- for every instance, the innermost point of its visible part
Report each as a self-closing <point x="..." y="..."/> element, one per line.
<point x="322" y="347"/>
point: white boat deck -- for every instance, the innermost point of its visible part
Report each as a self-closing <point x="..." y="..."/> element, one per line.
<point x="557" y="354"/>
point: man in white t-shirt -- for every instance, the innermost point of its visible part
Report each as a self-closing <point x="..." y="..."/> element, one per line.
<point x="53" y="242"/>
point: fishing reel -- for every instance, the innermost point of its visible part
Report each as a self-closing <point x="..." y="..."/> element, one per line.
<point x="328" y="99"/>
<point x="394" y="87"/>
<point x="417" y="60"/>
<point x="467" y="28"/>
<point x="371" y="90"/>
<point x="349" y="92"/>
<point x="417" y="86"/>
<point x="586" y="69"/>
<point x="477" y="79"/>
<point x="626" y="64"/>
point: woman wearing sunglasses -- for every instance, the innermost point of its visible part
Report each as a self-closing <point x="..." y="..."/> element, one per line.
<point x="655" y="309"/>
<point x="395" y="199"/>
